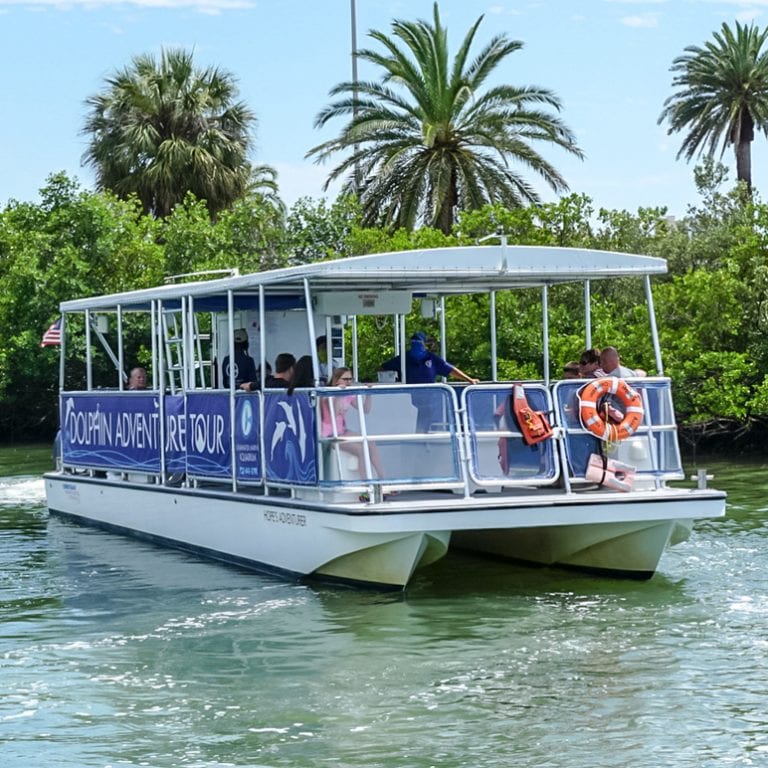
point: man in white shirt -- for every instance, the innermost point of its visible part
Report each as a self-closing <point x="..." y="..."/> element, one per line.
<point x="327" y="364"/>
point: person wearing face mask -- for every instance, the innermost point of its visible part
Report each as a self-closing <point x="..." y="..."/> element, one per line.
<point x="423" y="367"/>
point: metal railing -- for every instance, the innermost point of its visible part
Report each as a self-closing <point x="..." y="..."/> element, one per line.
<point x="388" y="437"/>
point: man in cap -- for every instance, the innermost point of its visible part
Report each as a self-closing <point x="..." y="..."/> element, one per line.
<point x="244" y="367"/>
<point x="423" y="367"/>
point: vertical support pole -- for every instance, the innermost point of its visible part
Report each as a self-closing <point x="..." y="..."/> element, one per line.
<point x="587" y="315"/>
<point x="262" y="339"/>
<point x="494" y="358"/>
<point x="403" y="349"/>
<point x="88" y="352"/>
<point x="231" y="326"/>
<point x="654" y="329"/>
<point x="355" y="353"/>
<point x="262" y="382"/>
<point x="328" y="351"/>
<point x="153" y="334"/>
<point x="545" y="330"/>
<point x="120" y="360"/>
<point x="443" y="340"/>
<point x="158" y="375"/>
<point x="157" y="338"/>
<point x="190" y="340"/>
<point x="62" y="352"/>
<point x="311" y="330"/>
<point x="163" y="461"/>
<point x="181" y="346"/>
<point x="360" y="399"/>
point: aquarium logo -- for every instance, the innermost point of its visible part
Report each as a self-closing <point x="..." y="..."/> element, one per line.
<point x="246" y="419"/>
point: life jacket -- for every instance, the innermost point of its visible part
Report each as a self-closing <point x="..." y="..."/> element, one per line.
<point x="534" y="425"/>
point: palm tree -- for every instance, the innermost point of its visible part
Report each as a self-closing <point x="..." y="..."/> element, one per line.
<point x="723" y="95"/>
<point x="424" y="141"/>
<point x="263" y="184"/>
<point x="162" y="129"/>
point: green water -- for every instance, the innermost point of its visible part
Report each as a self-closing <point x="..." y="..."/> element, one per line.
<point x="115" y="653"/>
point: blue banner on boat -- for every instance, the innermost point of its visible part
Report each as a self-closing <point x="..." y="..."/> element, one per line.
<point x="289" y="439"/>
<point x="208" y="435"/>
<point x="111" y="431"/>
<point x="175" y="434"/>
<point x="247" y="448"/>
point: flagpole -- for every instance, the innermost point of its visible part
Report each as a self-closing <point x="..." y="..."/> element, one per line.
<point x="353" y="20"/>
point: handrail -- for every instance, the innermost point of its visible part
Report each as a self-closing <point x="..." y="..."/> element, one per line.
<point x="498" y="456"/>
<point x="648" y="449"/>
<point x="221" y="436"/>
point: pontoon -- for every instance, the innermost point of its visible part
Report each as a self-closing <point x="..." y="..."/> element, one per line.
<point x="249" y="478"/>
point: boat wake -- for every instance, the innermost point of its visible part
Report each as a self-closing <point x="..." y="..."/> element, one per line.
<point x="22" y="490"/>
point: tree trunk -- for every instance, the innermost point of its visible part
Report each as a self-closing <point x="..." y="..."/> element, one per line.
<point x="744" y="131"/>
<point x="445" y="217"/>
<point x="744" y="163"/>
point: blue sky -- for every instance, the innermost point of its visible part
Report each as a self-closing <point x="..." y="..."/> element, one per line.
<point x="607" y="60"/>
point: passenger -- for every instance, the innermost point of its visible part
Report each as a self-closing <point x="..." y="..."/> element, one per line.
<point x="334" y="410"/>
<point x="611" y="364"/>
<point x="255" y="385"/>
<point x="572" y="370"/>
<point x="267" y="374"/>
<point x="245" y="368"/>
<point x="137" y="379"/>
<point x="423" y="367"/>
<point x="303" y="374"/>
<point x="285" y="362"/>
<point x="326" y="362"/>
<point x="589" y="364"/>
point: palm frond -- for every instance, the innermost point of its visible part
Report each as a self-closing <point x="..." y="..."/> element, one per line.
<point x="422" y="140"/>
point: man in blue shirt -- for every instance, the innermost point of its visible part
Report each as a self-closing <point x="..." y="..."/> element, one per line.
<point x="423" y="367"/>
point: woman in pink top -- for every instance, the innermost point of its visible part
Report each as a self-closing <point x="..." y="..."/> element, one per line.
<point x="334" y="409"/>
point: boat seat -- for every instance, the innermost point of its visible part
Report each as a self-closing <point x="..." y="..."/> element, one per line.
<point x="339" y="465"/>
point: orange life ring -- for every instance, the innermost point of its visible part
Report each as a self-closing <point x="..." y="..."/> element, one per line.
<point x="601" y="425"/>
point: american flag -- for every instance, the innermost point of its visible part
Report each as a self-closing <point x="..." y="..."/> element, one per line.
<point x="52" y="336"/>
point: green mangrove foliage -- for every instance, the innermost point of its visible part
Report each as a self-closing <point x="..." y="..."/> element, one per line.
<point x="712" y="307"/>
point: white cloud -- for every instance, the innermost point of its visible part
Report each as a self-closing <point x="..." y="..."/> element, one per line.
<point x="203" y="6"/>
<point x="750" y="9"/>
<point x="646" y="21"/>
<point x="498" y="9"/>
<point x="750" y="14"/>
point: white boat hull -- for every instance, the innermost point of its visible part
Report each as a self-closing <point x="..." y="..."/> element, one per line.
<point x="628" y="549"/>
<point x="383" y="544"/>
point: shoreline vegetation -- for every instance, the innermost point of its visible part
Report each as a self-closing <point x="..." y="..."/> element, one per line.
<point x="711" y="308"/>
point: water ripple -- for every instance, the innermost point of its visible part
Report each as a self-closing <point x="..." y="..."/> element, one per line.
<point x="116" y="653"/>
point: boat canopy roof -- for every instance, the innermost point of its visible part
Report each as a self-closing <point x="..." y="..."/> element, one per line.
<point x="440" y="271"/>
